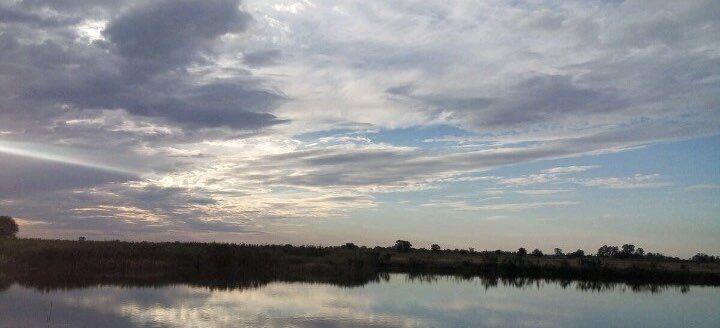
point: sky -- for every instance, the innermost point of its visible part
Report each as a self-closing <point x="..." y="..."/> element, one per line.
<point x="484" y="124"/>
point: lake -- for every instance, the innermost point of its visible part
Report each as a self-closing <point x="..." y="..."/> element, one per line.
<point x="397" y="300"/>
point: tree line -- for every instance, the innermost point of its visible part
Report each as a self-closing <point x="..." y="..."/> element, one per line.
<point x="626" y="251"/>
<point x="9" y="229"/>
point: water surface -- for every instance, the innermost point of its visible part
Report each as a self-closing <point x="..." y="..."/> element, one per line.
<point x="398" y="301"/>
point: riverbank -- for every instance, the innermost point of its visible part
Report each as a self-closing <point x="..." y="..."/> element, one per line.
<point x="53" y="263"/>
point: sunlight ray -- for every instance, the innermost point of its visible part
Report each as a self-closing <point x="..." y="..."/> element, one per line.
<point x="53" y="154"/>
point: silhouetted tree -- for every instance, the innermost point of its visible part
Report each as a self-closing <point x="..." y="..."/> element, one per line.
<point x="522" y="251"/>
<point x="472" y="250"/>
<point x="704" y="258"/>
<point x="8" y="227"/>
<point x="607" y="251"/>
<point x="577" y="253"/>
<point x="435" y="248"/>
<point x="350" y="246"/>
<point x="537" y="252"/>
<point x="640" y="252"/>
<point x="627" y="250"/>
<point x="82" y="238"/>
<point x="558" y="252"/>
<point x="403" y="245"/>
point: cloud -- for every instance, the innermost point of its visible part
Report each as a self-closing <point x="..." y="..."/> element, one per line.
<point x="128" y="213"/>
<point x="705" y="186"/>
<point x="261" y="57"/>
<point x="22" y="176"/>
<point x="582" y="71"/>
<point x="464" y="206"/>
<point x="545" y="176"/>
<point x="141" y="64"/>
<point x="535" y="100"/>
<point x="570" y="169"/>
<point x="127" y="99"/>
<point x="172" y="30"/>
<point x="541" y="191"/>
<point x="13" y="15"/>
<point x="527" y="180"/>
<point x="559" y="175"/>
<point x="228" y="121"/>
<point x="633" y="182"/>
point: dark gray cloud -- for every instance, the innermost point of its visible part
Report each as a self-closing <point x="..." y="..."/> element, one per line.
<point x="162" y="35"/>
<point x="14" y="15"/>
<point x="545" y="98"/>
<point x="261" y="57"/>
<point x="74" y="6"/>
<point x="536" y="100"/>
<point x="141" y="68"/>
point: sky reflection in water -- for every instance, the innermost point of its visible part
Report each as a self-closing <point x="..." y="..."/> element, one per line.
<point x="398" y="302"/>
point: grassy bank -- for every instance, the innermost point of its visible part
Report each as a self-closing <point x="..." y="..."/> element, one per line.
<point x="56" y="263"/>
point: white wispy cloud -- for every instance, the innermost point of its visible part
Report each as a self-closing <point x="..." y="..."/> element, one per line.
<point x="541" y="191"/>
<point x="633" y="182"/>
<point x="528" y="179"/>
<point x="704" y="186"/>
<point x="520" y="206"/>
<point x="570" y="169"/>
<point x="554" y="174"/>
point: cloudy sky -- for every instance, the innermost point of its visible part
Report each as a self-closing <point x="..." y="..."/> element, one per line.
<point x="486" y="124"/>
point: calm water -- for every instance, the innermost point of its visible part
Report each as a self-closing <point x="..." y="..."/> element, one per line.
<point x="397" y="302"/>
